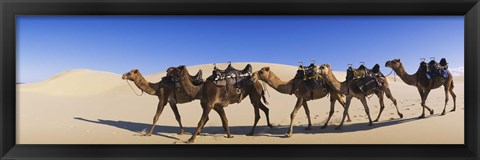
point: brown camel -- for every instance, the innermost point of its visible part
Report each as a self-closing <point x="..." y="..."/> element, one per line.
<point x="217" y="97"/>
<point x="166" y="93"/>
<point x="350" y="90"/>
<point x="423" y="85"/>
<point x="303" y="94"/>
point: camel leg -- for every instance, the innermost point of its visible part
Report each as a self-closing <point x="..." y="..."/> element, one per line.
<point x="292" y="116"/>
<point x="161" y="105"/>
<point x="382" y="105"/>
<point x="257" y="117"/>
<point x="177" y="116"/>
<point x="201" y="123"/>
<point x="453" y="96"/>
<point x="367" y="111"/>
<point x="422" y="103"/>
<point x="389" y="95"/>
<point x="266" y="110"/>
<point x="446" y="87"/>
<point x="332" y="110"/>
<point x="307" y="112"/>
<point x="221" y="112"/>
<point x="340" y="100"/>
<point x="203" y="126"/>
<point x="348" y="99"/>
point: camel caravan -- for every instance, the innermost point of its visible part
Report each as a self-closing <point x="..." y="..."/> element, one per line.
<point x="312" y="82"/>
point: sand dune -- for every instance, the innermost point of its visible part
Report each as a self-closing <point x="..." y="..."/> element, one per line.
<point x="93" y="107"/>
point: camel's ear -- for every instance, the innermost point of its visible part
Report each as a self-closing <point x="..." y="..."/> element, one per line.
<point x="267" y="68"/>
<point x="181" y="67"/>
<point x="135" y="71"/>
<point x="398" y="59"/>
<point x="328" y="65"/>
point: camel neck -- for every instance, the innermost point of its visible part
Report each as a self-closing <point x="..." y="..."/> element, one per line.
<point x="407" y="78"/>
<point x="145" y="86"/>
<point x="279" y="85"/>
<point x="337" y="85"/>
<point x="191" y="89"/>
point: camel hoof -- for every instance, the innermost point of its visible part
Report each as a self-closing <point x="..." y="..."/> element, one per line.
<point x="422" y="116"/>
<point x="370" y="124"/>
<point x="338" y="128"/>
<point x="190" y="140"/>
<point x="349" y="120"/>
<point x="270" y="126"/>
<point x="288" y="135"/>
<point x="308" y="128"/>
<point x="147" y="135"/>
<point x="401" y="115"/>
<point x="181" y="132"/>
<point x="229" y="136"/>
<point x="443" y="113"/>
<point x="375" y="120"/>
<point x="431" y="112"/>
<point x="323" y="127"/>
<point x="198" y="133"/>
<point x="453" y="110"/>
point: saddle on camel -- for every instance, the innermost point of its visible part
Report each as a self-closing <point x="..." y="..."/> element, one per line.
<point x="363" y="78"/>
<point x="173" y="81"/>
<point x="435" y="69"/>
<point x="310" y="76"/>
<point x="232" y="77"/>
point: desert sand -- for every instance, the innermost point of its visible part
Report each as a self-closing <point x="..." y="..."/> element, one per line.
<point x="93" y="107"/>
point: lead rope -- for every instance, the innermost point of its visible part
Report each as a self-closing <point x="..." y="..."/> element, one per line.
<point x="133" y="89"/>
<point x="394" y="75"/>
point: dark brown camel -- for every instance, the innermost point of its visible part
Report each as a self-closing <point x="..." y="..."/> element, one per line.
<point x="166" y="93"/>
<point x="350" y="88"/>
<point x="424" y="86"/>
<point x="303" y="94"/>
<point x="217" y="97"/>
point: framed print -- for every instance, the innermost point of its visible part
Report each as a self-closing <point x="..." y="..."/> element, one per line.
<point x="274" y="79"/>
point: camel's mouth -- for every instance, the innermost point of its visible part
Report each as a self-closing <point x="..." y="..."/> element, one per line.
<point x="387" y="64"/>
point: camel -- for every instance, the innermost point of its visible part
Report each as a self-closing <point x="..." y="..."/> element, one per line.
<point x="424" y="86"/>
<point x="303" y="94"/>
<point x="166" y="93"/>
<point x="350" y="89"/>
<point x="217" y="97"/>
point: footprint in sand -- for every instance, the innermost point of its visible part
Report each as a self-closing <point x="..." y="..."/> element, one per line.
<point x="115" y="133"/>
<point x="407" y="109"/>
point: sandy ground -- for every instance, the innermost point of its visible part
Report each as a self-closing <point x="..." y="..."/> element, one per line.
<point x="92" y="107"/>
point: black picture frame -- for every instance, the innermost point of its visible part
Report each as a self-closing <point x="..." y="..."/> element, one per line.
<point x="11" y="8"/>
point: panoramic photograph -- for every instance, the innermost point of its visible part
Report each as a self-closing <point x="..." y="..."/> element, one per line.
<point x="240" y="80"/>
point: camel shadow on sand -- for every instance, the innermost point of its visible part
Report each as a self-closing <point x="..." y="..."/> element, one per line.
<point x="276" y="131"/>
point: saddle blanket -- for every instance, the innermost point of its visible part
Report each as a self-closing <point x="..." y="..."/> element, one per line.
<point x="442" y="72"/>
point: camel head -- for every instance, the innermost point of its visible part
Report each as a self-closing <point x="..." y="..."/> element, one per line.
<point x="393" y="63"/>
<point x="133" y="74"/>
<point x="263" y="74"/>
<point x="324" y="69"/>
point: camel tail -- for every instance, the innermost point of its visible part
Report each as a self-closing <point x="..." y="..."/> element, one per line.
<point x="263" y="97"/>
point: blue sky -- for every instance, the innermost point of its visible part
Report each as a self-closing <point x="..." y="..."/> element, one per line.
<point x="48" y="45"/>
